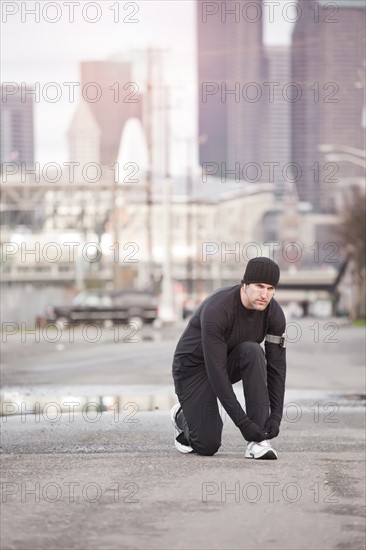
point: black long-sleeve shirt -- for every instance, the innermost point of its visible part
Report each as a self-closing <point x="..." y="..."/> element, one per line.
<point x="220" y="323"/>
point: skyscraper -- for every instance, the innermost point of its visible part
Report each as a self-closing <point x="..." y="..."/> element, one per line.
<point x="17" y="131"/>
<point x="84" y="136"/>
<point x="328" y="54"/>
<point x="231" y="72"/>
<point x="109" y="99"/>
<point x="279" y="115"/>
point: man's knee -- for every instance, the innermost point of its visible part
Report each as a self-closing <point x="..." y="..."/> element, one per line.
<point x="251" y="356"/>
<point x="252" y="348"/>
<point x="206" y="448"/>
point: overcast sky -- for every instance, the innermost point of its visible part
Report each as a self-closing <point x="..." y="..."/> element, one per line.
<point x="51" y="52"/>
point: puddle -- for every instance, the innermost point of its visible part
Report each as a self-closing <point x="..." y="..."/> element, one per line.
<point x="54" y="401"/>
<point x="50" y="401"/>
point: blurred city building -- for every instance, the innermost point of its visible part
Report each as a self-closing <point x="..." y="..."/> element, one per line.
<point x="109" y="99"/>
<point x="84" y="136"/>
<point x="328" y="60"/>
<point x="40" y="262"/>
<point x="232" y="68"/>
<point x="135" y="226"/>
<point x="17" y="127"/>
<point x="279" y="121"/>
<point x="17" y="144"/>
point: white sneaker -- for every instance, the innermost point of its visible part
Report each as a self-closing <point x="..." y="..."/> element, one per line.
<point x="177" y="431"/>
<point x="262" y="450"/>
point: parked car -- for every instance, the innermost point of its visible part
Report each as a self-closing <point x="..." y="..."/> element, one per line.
<point x="102" y="305"/>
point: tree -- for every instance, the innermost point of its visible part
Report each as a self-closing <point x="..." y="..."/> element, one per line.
<point x="352" y="233"/>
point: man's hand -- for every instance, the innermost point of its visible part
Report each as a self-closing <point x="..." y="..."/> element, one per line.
<point x="252" y="432"/>
<point x="272" y="428"/>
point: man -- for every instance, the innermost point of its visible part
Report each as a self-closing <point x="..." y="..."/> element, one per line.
<point x="220" y="346"/>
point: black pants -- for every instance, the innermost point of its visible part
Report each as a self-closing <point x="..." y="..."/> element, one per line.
<point x="200" y="418"/>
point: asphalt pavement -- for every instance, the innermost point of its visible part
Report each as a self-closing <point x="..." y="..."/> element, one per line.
<point x="74" y="477"/>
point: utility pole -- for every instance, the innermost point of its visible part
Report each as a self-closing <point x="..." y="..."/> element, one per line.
<point x="151" y="53"/>
<point x="115" y="233"/>
<point x="149" y="141"/>
<point x="167" y="301"/>
<point x="192" y="219"/>
<point x="189" y="222"/>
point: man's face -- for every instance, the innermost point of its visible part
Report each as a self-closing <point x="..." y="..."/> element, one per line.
<point x="257" y="295"/>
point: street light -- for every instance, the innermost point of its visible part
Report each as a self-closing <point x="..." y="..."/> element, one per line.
<point x="330" y="148"/>
<point x="343" y="153"/>
<point x="334" y="157"/>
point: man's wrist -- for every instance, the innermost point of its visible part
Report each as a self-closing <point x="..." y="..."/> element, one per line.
<point x="244" y="423"/>
<point x="276" y="417"/>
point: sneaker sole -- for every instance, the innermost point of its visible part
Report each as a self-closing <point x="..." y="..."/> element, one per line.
<point x="173" y="412"/>
<point x="184" y="449"/>
<point x="267" y="455"/>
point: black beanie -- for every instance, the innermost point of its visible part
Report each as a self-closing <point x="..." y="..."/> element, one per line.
<point x="262" y="270"/>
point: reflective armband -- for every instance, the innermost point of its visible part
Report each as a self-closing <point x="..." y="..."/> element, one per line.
<point x="281" y="340"/>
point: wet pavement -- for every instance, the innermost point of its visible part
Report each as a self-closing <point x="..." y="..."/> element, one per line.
<point x="88" y="461"/>
<point x="115" y="481"/>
